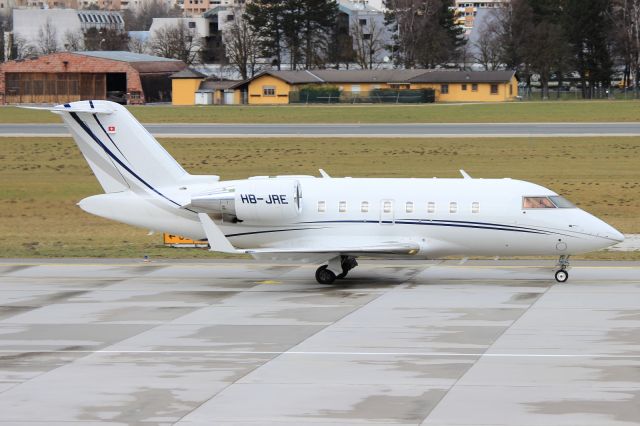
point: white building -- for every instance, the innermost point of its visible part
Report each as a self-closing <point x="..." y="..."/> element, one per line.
<point x="27" y="23"/>
<point x="466" y="11"/>
<point x="199" y="25"/>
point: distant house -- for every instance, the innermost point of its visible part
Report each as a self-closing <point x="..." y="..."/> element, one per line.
<point x="123" y="77"/>
<point x="275" y="87"/>
<point x="184" y="85"/>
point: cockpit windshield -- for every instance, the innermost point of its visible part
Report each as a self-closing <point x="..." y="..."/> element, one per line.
<point x="551" y="202"/>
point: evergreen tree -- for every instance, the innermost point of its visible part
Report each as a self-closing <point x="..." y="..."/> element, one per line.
<point x="302" y="28"/>
<point x="546" y="48"/>
<point x="589" y="31"/>
<point x="266" y="19"/>
<point x="2" y="30"/>
<point x="319" y="17"/>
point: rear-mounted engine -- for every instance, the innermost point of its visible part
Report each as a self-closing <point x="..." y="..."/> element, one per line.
<point x="263" y="201"/>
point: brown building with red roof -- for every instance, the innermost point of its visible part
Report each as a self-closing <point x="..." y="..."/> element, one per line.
<point x="123" y="77"/>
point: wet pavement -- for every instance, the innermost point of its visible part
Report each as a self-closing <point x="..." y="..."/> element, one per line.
<point x="238" y="342"/>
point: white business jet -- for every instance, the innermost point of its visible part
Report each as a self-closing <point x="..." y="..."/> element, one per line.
<point x="327" y="221"/>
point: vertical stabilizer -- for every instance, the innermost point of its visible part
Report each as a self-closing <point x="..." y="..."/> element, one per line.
<point x="120" y="151"/>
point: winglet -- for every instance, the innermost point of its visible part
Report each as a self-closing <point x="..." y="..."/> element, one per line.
<point x="217" y="240"/>
<point x="324" y="174"/>
<point x="465" y="175"/>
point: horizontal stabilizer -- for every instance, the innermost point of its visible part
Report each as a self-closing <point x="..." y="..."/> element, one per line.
<point x="85" y="107"/>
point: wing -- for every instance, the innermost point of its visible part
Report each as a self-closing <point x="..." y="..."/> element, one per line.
<point x="219" y="242"/>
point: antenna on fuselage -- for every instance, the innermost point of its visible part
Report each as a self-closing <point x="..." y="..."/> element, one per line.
<point x="324" y="174"/>
<point x="465" y="175"/>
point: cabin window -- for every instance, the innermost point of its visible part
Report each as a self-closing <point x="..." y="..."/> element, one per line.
<point x="431" y="207"/>
<point x="342" y="206"/>
<point x="364" y="207"/>
<point x="453" y="207"/>
<point x="409" y="207"/>
<point x="464" y="87"/>
<point x="494" y="89"/>
<point x="269" y="90"/>
<point x="444" y="89"/>
<point x="474" y="87"/>
<point x="386" y="207"/>
<point x="475" y="207"/>
<point x="321" y="207"/>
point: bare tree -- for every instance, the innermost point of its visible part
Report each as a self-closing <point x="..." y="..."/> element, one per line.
<point x="424" y="32"/>
<point x="177" y="42"/>
<point x="73" y="41"/>
<point x="137" y="45"/>
<point x="21" y="48"/>
<point x="488" y="48"/>
<point x="368" y="42"/>
<point x="627" y="36"/>
<point x="242" y="46"/>
<point x="141" y="18"/>
<point x="47" y="41"/>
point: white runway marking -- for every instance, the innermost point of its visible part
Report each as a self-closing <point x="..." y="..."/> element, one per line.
<point x="327" y="353"/>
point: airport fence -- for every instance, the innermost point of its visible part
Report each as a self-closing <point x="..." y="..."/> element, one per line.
<point x="576" y="93"/>
<point x="332" y="95"/>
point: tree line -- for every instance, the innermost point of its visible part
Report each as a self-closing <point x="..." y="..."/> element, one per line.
<point x="554" y="38"/>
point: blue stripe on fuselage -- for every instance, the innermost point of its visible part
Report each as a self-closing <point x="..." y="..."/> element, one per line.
<point x="459" y="224"/>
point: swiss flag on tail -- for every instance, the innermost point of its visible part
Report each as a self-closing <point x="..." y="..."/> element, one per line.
<point x="111" y="129"/>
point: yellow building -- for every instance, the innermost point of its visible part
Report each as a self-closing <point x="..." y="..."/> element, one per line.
<point x="184" y="85"/>
<point x="280" y="87"/>
<point x="467" y="86"/>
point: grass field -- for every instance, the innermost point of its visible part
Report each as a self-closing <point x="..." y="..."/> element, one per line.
<point x="42" y="179"/>
<point x="580" y="111"/>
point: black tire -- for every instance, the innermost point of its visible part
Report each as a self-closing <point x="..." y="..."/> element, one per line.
<point x="324" y="275"/>
<point x="562" y="276"/>
<point x="342" y="275"/>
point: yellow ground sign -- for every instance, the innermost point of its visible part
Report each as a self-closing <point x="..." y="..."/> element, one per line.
<point x="177" y="241"/>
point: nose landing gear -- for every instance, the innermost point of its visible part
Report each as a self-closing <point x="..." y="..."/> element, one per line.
<point x="563" y="264"/>
<point x="327" y="274"/>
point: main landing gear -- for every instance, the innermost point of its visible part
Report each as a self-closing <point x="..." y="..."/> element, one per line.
<point x="327" y="274"/>
<point x="561" y="274"/>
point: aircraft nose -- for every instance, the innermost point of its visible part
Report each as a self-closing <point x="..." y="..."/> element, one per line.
<point x="616" y="235"/>
<point x="611" y="233"/>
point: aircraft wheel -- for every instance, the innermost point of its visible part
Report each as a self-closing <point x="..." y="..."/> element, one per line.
<point x="342" y="275"/>
<point x="562" y="276"/>
<point x="325" y="276"/>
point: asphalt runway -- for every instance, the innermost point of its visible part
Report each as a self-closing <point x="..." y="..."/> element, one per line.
<point x="357" y="130"/>
<point x="237" y="342"/>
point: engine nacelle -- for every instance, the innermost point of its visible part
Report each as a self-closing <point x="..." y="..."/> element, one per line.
<point x="263" y="201"/>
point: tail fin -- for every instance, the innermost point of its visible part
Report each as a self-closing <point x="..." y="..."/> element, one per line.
<point x="120" y="151"/>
